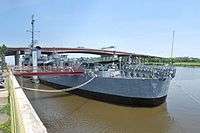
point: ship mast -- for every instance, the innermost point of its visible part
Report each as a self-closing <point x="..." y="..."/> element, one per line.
<point x="34" y="51"/>
<point x="32" y="32"/>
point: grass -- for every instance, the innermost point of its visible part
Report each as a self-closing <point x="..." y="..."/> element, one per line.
<point x="6" y="127"/>
<point x="187" y="64"/>
<point x="5" y="109"/>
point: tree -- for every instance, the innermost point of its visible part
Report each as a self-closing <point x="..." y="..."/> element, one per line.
<point x="3" y="50"/>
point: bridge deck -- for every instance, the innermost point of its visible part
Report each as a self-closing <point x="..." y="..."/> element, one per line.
<point x="49" y="50"/>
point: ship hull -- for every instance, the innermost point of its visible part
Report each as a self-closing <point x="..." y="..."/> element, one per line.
<point x="131" y="92"/>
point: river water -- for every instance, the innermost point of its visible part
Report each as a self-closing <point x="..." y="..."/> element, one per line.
<point x="63" y="112"/>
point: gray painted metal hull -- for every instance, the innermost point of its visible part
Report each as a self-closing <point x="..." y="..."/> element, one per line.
<point x="123" y="87"/>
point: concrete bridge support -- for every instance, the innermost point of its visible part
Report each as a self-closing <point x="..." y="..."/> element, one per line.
<point x="17" y="56"/>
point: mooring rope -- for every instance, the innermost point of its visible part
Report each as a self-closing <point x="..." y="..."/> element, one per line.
<point x="62" y="90"/>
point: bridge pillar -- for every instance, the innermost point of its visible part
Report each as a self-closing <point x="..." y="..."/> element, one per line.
<point x="17" y="56"/>
<point x="35" y="64"/>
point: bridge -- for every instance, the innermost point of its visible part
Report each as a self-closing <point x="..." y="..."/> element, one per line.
<point x="49" y="50"/>
<point x="16" y="51"/>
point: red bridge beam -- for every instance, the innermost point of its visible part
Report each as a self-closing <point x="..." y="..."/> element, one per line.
<point x="49" y="50"/>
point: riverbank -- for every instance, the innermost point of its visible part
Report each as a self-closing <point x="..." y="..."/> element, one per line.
<point x="5" y="121"/>
<point x="24" y="119"/>
<point x="187" y="64"/>
<point x="178" y="64"/>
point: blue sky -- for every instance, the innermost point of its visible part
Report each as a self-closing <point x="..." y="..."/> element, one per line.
<point x="140" y="26"/>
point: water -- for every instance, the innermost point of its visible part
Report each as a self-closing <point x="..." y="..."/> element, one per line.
<point x="63" y="112"/>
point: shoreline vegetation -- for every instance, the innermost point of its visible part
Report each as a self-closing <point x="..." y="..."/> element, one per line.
<point x="177" y="61"/>
<point x="178" y="64"/>
<point x="6" y="127"/>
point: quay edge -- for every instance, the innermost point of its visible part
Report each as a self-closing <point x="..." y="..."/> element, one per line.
<point x="24" y="118"/>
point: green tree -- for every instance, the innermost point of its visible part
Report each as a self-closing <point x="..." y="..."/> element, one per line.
<point x="3" y="50"/>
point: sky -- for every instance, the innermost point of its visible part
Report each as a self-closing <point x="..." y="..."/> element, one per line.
<point x="139" y="26"/>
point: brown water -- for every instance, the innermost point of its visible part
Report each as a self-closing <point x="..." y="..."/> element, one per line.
<point x="63" y="112"/>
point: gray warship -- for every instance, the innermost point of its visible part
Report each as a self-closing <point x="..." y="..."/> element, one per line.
<point x="127" y="83"/>
<point x="115" y="79"/>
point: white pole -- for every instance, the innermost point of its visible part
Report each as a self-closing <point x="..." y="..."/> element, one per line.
<point x="172" y="47"/>
<point x="35" y="64"/>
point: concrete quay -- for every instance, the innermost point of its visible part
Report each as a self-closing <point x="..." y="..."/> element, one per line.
<point x="24" y="119"/>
